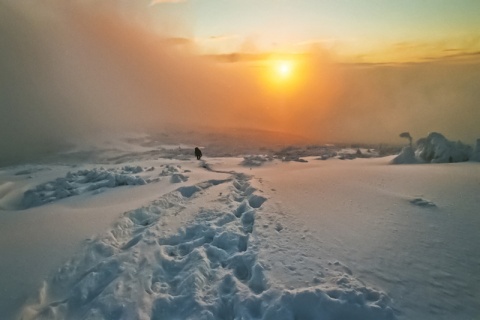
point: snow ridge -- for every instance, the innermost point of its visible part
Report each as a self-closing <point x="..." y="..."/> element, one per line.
<point x="75" y="183"/>
<point x="207" y="269"/>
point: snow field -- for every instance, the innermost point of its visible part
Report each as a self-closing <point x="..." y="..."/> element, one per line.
<point x="409" y="230"/>
<point x="194" y="254"/>
<point x="243" y="238"/>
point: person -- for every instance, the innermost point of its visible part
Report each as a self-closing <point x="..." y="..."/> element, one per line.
<point x="198" y="153"/>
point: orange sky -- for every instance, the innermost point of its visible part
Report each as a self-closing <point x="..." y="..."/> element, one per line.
<point x="359" y="31"/>
<point x="72" y="71"/>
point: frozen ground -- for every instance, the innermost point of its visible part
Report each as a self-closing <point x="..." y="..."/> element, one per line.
<point x="240" y="238"/>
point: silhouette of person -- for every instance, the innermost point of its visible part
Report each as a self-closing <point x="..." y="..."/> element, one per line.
<point x="198" y="153"/>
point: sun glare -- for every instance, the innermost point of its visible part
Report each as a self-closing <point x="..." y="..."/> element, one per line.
<point x="284" y="74"/>
<point x="284" y="69"/>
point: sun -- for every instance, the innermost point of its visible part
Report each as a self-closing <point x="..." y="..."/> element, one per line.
<point x="283" y="74"/>
<point x="284" y="69"/>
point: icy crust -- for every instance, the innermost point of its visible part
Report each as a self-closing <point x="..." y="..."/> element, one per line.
<point x="435" y="148"/>
<point x="208" y="269"/>
<point x="97" y="180"/>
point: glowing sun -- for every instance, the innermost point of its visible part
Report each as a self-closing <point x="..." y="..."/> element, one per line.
<point x="284" y="74"/>
<point x="284" y="69"/>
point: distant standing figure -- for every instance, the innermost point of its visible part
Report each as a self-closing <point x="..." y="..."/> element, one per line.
<point x="198" y="153"/>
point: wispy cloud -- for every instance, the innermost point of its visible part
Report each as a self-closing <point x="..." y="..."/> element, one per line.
<point x="239" y="57"/>
<point x="417" y="51"/>
<point x="154" y="2"/>
<point x="221" y="37"/>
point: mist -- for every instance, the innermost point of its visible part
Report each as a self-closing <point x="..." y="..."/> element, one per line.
<point x="73" y="72"/>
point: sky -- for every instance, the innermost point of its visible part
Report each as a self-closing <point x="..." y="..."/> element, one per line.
<point x="327" y="71"/>
<point x="373" y="30"/>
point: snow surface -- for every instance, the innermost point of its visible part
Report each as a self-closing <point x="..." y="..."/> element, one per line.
<point x="233" y="238"/>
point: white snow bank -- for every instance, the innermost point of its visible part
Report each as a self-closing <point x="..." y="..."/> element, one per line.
<point x="406" y="156"/>
<point x="75" y="183"/>
<point x="208" y="268"/>
<point x="94" y="180"/>
<point x="435" y="148"/>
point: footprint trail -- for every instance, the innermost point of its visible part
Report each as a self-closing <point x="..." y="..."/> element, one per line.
<point x="191" y="254"/>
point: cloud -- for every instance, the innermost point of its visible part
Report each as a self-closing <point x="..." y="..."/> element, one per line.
<point x="239" y="57"/>
<point x="455" y="55"/>
<point x="155" y="2"/>
<point x="73" y="72"/>
<point x="417" y="51"/>
<point x="221" y="37"/>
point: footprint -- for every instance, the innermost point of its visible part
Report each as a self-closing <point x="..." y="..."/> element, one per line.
<point x="256" y="201"/>
<point x="178" y="178"/>
<point x="422" y="202"/>
<point x="189" y="191"/>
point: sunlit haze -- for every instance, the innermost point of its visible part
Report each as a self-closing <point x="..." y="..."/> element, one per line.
<point x="284" y="69"/>
<point x="327" y="71"/>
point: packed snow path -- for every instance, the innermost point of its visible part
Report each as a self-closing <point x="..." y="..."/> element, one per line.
<point x="193" y="254"/>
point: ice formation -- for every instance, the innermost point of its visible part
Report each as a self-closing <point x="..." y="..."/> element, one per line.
<point x="435" y="148"/>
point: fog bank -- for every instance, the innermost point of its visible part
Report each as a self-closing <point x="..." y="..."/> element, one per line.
<point x="75" y="71"/>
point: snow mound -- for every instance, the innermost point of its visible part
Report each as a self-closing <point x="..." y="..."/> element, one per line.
<point x="208" y="269"/>
<point x="178" y="177"/>
<point x="75" y="183"/>
<point x="293" y="158"/>
<point x="329" y="303"/>
<point x="255" y="160"/>
<point x="169" y="170"/>
<point x="435" y="148"/>
<point x="406" y="156"/>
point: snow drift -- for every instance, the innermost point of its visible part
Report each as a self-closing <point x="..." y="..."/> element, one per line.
<point x="407" y="155"/>
<point x="95" y="181"/>
<point x="435" y="148"/>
